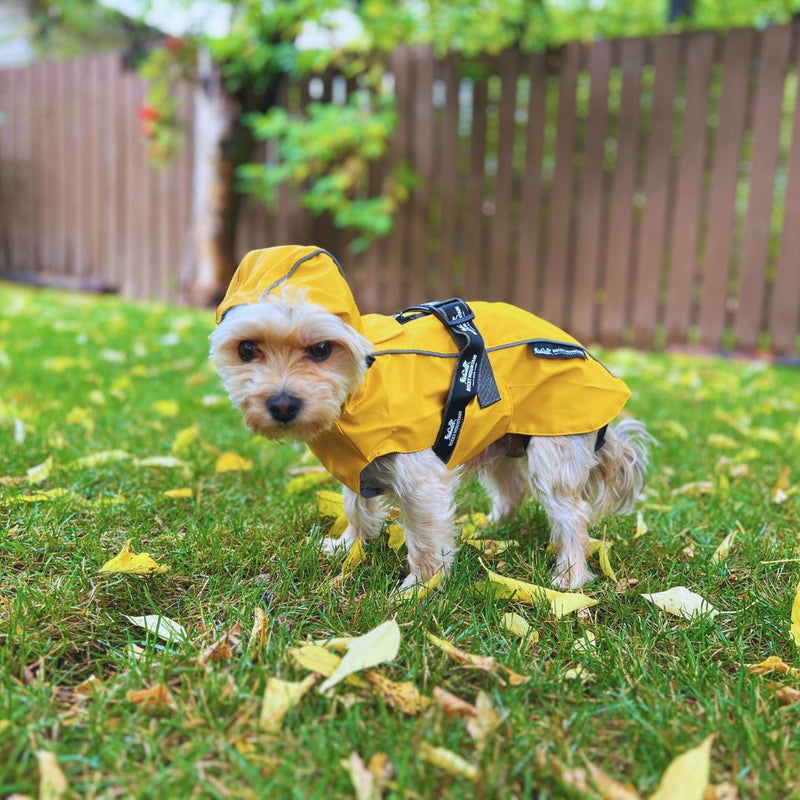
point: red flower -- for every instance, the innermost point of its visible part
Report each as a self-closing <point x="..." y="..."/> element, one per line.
<point x="148" y="113"/>
<point x="173" y="42"/>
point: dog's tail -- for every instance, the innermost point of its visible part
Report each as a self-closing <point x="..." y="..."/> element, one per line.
<point x="616" y="481"/>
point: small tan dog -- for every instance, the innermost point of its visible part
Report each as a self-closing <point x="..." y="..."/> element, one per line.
<point x="399" y="408"/>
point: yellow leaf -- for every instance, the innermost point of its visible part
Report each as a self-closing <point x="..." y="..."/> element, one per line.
<point x="605" y="564"/>
<point x="681" y="602"/>
<point x="279" y="697"/>
<point x="165" y="462"/>
<point x="397" y="536"/>
<point x="485" y="721"/>
<point x="722" y="441"/>
<point x="129" y="563"/>
<point x="748" y="454"/>
<point x="316" y="659"/>
<point x="330" y="504"/>
<point x="491" y="547"/>
<point x="674" y="428"/>
<point x="365" y="783"/>
<point x="795" y="629"/>
<point x="339" y="526"/>
<point x="163" y="627"/>
<point x="336" y="643"/>
<point x="355" y="557"/>
<point x="39" y="497"/>
<point x="52" y="781"/>
<point x="41" y="472"/>
<point x="99" y="459"/>
<point x="561" y="603"/>
<point x="449" y="761"/>
<point x="779" y="492"/>
<point x="695" y="488"/>
<point x="586" y="643"/>
<point x="419" y="591"/>
<point x="157" y="696"/>
<point x="403" y="696"/>
<point x="687" y="776"/>
<point x="769" y="435"/>
<point x="184" y="440"/>
<point x="483" y="663"/>
<point x="259" y="635"/>
<point x="303" y="482"/>
<point x="375" y="647"/>
<point x="721" y="553"/>
<point x="773" y="664"/>
<point x="82" y="417"/>
<point x="231" y="462"/>
<point x="641" y="525"/>
<point x="166" y="408"/>
<point x="179" y="492"/>
<point x="519" y="626"/>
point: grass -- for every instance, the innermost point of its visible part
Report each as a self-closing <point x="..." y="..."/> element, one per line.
<point x="80" y="375"/>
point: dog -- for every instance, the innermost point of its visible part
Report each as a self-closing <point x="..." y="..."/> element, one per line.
<point x="401" y="408"/>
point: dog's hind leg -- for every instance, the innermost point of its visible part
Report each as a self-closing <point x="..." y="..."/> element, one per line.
<point x="558" y="470"/>
<point x="365" y="517"/>
<point x="505" y="482"/>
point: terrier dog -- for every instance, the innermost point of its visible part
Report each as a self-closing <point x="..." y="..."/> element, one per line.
<point x="400" y="408"/>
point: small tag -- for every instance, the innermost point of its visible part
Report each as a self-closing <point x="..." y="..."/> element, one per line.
<point x="556" y="350"/>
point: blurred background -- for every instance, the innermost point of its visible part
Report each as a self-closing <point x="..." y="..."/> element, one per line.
<point x="627" y="169"/>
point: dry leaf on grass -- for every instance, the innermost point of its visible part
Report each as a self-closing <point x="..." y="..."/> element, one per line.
<point x="364" y="783"/>
<point x="99" y="459"/>
<point x="330" y="504"/>
<point x="588" y="778"/>
<point x="179" y="493"/>
<point x="688" y="775"/>
<point x="184" y="441"/>
<point x="41" y="472"/>
<point x="485" y="721"/>
<point x="417" y="592"/>
<point x="308" y="481"/>
<point x="403" y="696"/>
<point x="490" y="547"/>
<point x="605" y="563"/>
<point x="448" y="761"/>
<point x="795" y="619"/>
<point x="165" y="462"/>
<point x="157" y="696"/>
<point x="723" y="548"/>
<point x="130" y="563"/>
<point x="223" y="649"/>
<point x="397" y="536"/>
<point x="773" y="664"/>
<point x="356" y="555"/>
<point x="681" y="602"/>
<point x="259" y="635"/>
<point x="641" y="525"/>
<point x="163" y="627"/>
<point x="487" y="664"/>
<point x="561" y="603"/>
<point x="231" y="462"/>
<point x="52" y="781"/>
<point x="279" y="697"/>
<point x="375" y="647"/>
<point x="786" y="694"/>
<point x="519" y="626"/>
<point x="452" y="704"/>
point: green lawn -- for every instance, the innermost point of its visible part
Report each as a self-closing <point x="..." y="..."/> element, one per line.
<point x="84" y="375"/>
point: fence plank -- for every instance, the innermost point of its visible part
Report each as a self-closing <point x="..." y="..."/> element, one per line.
<point x="689" y="188"/>
<point x="784" y="312"/>
<point x="591" y="201"/>
<point x="619" y="242"/>
<point x="498" y="270"/>
<point x="448" y="179"/>
<point x="656" y="188"/>
<point x="557" y="259"/>
<point x="715" y="266"/>
<point x="473" y="233"/>
<point x="5" y="180"/>
<point x="766" y="130"/>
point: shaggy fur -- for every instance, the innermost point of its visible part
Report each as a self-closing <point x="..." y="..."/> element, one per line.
<point x="575" y="485"/>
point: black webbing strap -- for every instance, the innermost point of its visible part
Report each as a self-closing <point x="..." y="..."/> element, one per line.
<point x="473" y="373"/>
<point x="601" y="438"/>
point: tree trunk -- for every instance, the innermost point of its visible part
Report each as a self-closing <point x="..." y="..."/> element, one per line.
<point x="209" y="259"/>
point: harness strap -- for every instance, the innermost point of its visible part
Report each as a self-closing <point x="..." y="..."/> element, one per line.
<point x="472" y="376"/>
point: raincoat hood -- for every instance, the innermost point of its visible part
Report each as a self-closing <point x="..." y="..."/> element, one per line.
<point x="311" y="270"/>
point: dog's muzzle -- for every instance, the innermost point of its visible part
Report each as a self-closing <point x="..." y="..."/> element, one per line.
<point x="284" y="407"/>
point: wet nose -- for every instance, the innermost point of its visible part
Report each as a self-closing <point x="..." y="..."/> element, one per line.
<point x="283" y="407"/>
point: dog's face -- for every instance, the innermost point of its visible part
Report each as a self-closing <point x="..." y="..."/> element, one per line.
<point x="288" y="365"/>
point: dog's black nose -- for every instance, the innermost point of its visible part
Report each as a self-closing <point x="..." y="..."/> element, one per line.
<point x="284" y="407"/>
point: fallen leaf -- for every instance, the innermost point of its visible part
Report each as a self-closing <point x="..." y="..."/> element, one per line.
<point x="231" y="462"/>
<point x="695" y="488"/>
<point x="259" y="635"/>
<point x="52" y="781"/>
<point x="179" y="493"/>
<point x="592" y="777"/>
<point x="82" y="417"/>
<point x="99" y="459"/>
<point x="795" y="627"/>
<point x="157" y="696"/>
<point x="185" y="438"/>
<point x="330" y="504"/>
<point x="308" y="481"/>
<point x="222" y="649"/>
<point x="419" y="591"/>
<point x="364" y="782"/>
<point x="485" y="721"/>
<point x="773" y="664"/>
<point x="688" y="775"/>
<point x="722" y="441"/>
<point x="452" y="704"/>
<point x="586" y="643"/>
<point x="41" y="472"/>
<point x="561" y="603"/>
<point x="356" y="555"/>
<point x="403" y="696"/>
<point x="166" y="408"/>
<point x="641" y="525"/>
<point x="491" y="547"/>
<point x="375" y="647"/>
<point x="681" y="602"/>
<point x="166" y="462"/>
<point x="779" y="492"/>
<point x="279" y="697"/>
<point x="163" y="627"/>
<point x="129" y="563"/>
<point x="449" y="761"/>
<point x="723" y="548"/>
<point x="786" y="694"/>
<point x="605" y="564"/>
<point x="486" y="664"/>
<point x="316" y="659"/>
<point x="397" y="536"/>
<point x="519" y="626"/>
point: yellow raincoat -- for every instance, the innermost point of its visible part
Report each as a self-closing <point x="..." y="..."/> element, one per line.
<point x="548" y="384"/>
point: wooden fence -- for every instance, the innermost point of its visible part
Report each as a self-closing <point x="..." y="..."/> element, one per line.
<point x="633" y="191"/>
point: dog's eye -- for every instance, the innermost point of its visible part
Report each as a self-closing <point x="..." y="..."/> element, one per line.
<point x="247" y="350"/>
<point x="320" y="351"/>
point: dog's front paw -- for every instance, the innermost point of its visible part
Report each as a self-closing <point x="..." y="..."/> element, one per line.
<point x="573" y="577"/>
<point x="340" y="546"/>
